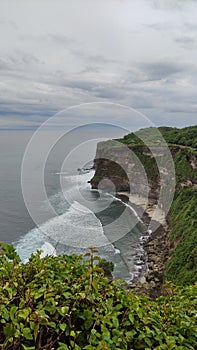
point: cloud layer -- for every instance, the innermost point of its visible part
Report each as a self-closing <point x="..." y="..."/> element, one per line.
<point x="55" y="54"/>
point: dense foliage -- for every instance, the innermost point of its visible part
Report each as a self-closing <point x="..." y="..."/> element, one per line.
<point x="65" y="302"/>
<point x="185" y="137"/>
<point x="182" y="267"/>
<point x="183" y="169"/>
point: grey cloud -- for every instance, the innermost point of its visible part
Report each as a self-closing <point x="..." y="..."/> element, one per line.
<point x="8" y="22"/>
<point x="46" y="39"/>
<point x="173" y="119"/>
<point x="96" y="88"/>
<point x="160" y="70"/>
<point x="169" y="5"/>
<point x="75" y="83"/>
<point x="93" y="85"/>
<point x="34" y="112"/>
<point x="4" y="64"/>
<point x="192" y="26"/>
<point x="144" y="72"/>
<point x="17" y="60"/>
<point x="108" y="92"/>
<point x="62" y="39"/>
<point x="20" y="58"/>
<point x="186" y="41"/>
<point x="94" y="59"/>
<point x="142" y="102"/>
<point x="101" y="59"/>
<point x="90" y="69"/>
<point x="160" y="26"/>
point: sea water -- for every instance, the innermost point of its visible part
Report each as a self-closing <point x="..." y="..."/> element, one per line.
<point x="106" y="223"/>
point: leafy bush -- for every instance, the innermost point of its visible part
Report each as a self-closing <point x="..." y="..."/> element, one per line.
<point x="107" y="266"/>
<point x="65" y="302"/>
<point x="185" y="136"/>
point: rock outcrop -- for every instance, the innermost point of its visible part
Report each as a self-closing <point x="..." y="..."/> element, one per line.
<point x="117" y="169"/>
<point x="156" y="250"/>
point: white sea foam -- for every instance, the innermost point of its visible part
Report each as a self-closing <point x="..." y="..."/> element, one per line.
<point x="78" y="228"/>
<point x="34" y="240"/>
<point x="79" y="179"/>
<point x="128" y="206"/>
<point x="61" y="173"/>
<point x="48" y="249"/>
<point x="117" y="251"/>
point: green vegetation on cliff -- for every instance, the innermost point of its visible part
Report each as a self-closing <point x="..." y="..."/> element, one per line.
<point x="183" y="168"/>
<point x="182" y="265"/>
<point x="185" y="137"/>
<point x="66" y="303"/>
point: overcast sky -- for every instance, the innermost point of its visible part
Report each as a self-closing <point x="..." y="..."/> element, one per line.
<point x="59" y="53"/>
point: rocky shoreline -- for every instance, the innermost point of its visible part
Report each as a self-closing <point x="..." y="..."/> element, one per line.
<point x="156" y="251"/>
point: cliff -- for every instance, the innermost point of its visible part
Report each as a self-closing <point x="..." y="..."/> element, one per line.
<point x="131" y="165"/>
<point x="117" y="167"/>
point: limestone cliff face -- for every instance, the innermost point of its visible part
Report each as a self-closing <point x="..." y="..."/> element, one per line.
<point x="119" y="168"/>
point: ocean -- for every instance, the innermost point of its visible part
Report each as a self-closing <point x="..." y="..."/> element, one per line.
<point x="83" y="217"/>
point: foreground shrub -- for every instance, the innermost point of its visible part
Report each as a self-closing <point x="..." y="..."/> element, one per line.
<point x="65" y="302"/>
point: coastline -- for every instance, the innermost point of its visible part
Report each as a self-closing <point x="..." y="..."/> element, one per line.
<point x="155" y="245"/>
<point x="149" y="208"/>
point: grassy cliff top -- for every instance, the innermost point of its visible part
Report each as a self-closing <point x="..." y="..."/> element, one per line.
<point x="186" y="137"/>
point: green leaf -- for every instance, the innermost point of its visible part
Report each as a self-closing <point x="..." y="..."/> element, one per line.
<point x="28" y="347"/>
<point x="88" y="323"/>
<point x="10" y="252"/>
<point x="52" y="325"/>
<point x="95" y="285"/>
<point x="73" y="333"/>
<point x="5" y="314"/>
<point x="130" y="334"/>
<point x="115" y="321"/>
<point x="63" y="326"/>
<point x="8" y="330"/>
<point x="24" y="313"/>
<point x="64" y="310"/>
<point x="27" y="333"/>
<point x="82" y="295"/>
<point x="62" y="346"/>
<point x="36" y="329"/>
<point x="12" y="312"/>
<point x="131" y="318"/>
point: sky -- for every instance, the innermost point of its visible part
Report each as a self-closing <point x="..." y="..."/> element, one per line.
<point x="58" y="53"/>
